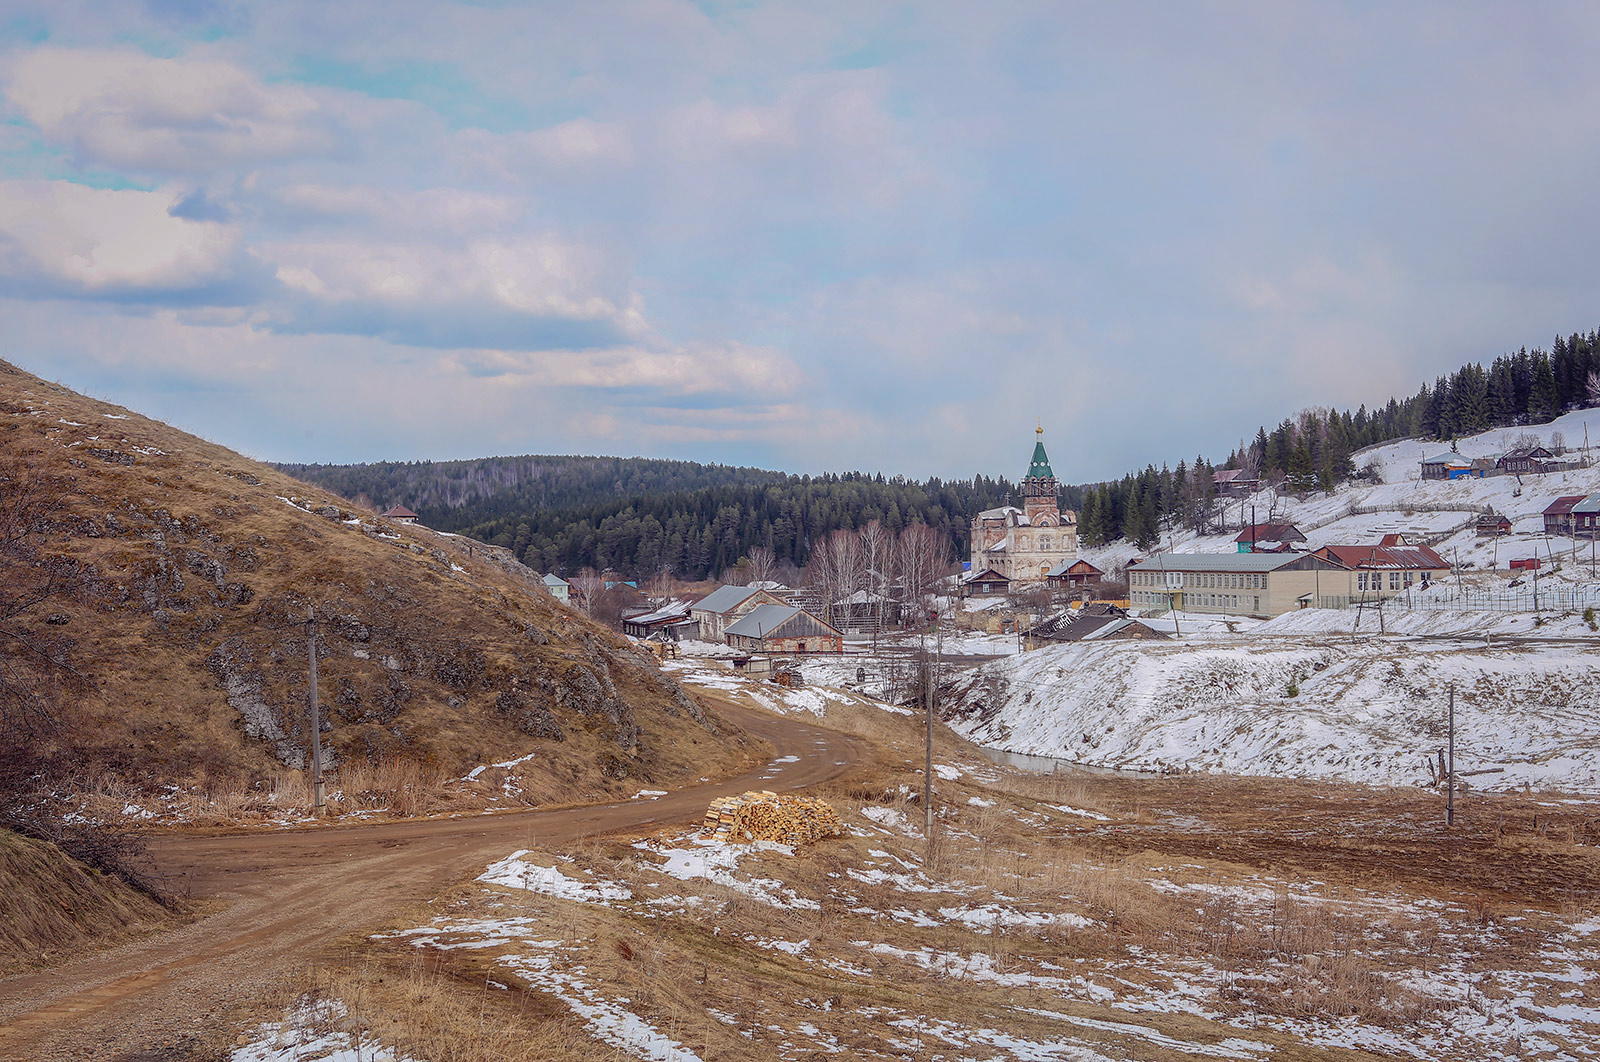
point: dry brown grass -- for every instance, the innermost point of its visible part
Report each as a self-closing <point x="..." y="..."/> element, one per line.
<point x="52" y="906"/>
<point x="434" y="659"/>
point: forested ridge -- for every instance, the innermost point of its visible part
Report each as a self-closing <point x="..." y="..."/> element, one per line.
<point x="640" y="515"/>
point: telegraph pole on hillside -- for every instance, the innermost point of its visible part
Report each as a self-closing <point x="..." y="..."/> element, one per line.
<point x="318" y="804"/>
<point x="1450" y="768"/>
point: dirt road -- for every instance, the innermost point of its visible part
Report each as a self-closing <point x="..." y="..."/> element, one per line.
<point x="286" y="893"/>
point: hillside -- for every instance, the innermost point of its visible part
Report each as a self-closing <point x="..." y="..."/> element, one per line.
<point x="170" y="580"/>
<point x="1439" y="511"/>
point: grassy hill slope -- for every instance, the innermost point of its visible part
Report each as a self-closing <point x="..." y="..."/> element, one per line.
<point x="189" y="573"/>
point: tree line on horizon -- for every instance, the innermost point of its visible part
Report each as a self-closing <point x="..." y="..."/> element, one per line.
<point x="1312" y="451"/>
<point x="639" y="516"/>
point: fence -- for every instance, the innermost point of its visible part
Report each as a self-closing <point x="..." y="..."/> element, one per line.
<point x="1439" y="599"/>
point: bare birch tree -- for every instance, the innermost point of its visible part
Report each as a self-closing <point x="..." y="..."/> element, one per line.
<point x="762" y="563"/>
<point x="923" y="559"/>
<point x="875" y="562"/>
<point x="589" y="585"/>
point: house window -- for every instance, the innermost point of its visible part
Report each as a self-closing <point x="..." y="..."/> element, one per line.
<point x="1410" y="578"/>
<point x="1394" y="580"/>
<point x="1361" y="582"/>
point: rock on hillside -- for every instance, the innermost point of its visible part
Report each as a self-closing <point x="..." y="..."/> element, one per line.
<point x="192" y="569"/>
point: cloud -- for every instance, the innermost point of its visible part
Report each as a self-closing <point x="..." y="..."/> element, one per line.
<point x="701" y="369"/>
<point x="527" y="293"/>
<point x="152" y="115"/>
<point x="581" y="141"/>
<point x="61" y="238"/>
<point x="448" y="210"/>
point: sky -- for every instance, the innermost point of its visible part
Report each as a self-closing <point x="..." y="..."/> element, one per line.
<point x="814" y="236"/>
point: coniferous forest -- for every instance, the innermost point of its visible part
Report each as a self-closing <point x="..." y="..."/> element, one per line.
<point x="640" y="515"/>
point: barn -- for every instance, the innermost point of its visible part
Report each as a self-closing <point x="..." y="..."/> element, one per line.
<point x="783" y="629"/>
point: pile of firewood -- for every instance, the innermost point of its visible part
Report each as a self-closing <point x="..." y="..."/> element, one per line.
<point x="766" y="816"/>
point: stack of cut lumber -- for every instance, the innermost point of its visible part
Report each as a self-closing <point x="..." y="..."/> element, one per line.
<point x="760" y="815"/>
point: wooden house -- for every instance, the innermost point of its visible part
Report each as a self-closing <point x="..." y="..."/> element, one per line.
<point x="1092" y="623"/>
<point x="1524" y="460"/>
<point x="1586" y="517"/>
<point x="1234" y="483"/>
<point x="724" y="605"/>
<point x="783" y="629"/>
<point x="400" y="514"/>
<point x="670" y="622"/>
<point x="1558" y="515"/>
<point x="559" y="588"/>
<point x="1449" y="466"/>
<point x="1269" y="538"/>
<point x="1075" y="574"/>
<point x="988" y="581"/>
<point x="1493" y="525"/>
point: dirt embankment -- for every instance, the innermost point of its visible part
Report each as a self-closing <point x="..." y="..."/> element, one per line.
<point x="168" y="581"/>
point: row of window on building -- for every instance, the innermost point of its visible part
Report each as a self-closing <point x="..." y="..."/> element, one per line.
<point x="1395" y="580"/>
<point x="1202" y="580"/>
<point x="1249" y="602"/>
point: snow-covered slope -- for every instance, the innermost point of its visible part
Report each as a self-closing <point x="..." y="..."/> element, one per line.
<point x="1369" y="711"/>
<point x="1422" y="508"/>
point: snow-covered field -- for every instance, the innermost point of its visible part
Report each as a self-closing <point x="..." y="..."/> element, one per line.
<point x="1398" y="975"/>
<point x="1365" y="709"/>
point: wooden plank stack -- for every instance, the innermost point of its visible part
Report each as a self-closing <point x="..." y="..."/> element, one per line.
<point x="761" y="815"/>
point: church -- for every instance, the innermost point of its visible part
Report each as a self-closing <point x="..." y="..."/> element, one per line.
<point x="1025" y="544"/>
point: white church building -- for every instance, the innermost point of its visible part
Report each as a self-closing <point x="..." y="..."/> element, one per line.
<point x="1024" y="544"/>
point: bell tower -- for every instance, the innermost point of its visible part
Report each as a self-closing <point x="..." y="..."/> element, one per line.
<point x="1041" y="493"/>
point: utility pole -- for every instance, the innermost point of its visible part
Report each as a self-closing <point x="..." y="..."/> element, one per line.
<point x="318" y="803"/>
<point x="1450" y="769"/>
<point x="933" y="707"/>
<point x="927" y="761"/>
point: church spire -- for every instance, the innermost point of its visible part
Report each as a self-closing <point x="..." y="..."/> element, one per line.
<point x="1040" y="467"/>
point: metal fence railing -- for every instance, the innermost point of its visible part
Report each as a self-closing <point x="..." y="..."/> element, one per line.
<point x="1555" y="599"/>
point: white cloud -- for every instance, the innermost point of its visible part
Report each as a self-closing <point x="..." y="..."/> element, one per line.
<point x="537" y="276"/>
<point x="445" y="209"/>
<point x="72" y="239"/>
<point x="124" y="108"/>
<point x="719" y="368"/>
<point x="581" y="141"/>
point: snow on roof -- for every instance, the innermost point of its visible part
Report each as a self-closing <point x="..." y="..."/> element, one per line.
<point x="1453" y="460"/>
<point x="676" y="610"/>
<point x="724" y="598"/>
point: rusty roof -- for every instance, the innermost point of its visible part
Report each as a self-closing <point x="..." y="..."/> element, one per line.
<point x="1563" y="505"/>
<point x="1400" y="558"/>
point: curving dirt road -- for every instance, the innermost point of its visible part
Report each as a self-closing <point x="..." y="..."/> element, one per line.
<point x="286" y="893"/>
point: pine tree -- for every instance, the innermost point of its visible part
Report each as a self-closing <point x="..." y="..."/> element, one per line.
<point x="1544" y="400"/>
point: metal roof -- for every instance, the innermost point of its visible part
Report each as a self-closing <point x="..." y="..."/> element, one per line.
<point x="725" y="597"/>
<point x="766" y="621"/>
<point x="1039" y="467"/>
<point x="1448" y="459"/>
<point x="1219" y="562"/>
<point x="1563" y="505"/>
<point x="555" y="580"/>
<point x="1591" y="504"/>
<point x="1399" y="558"/>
